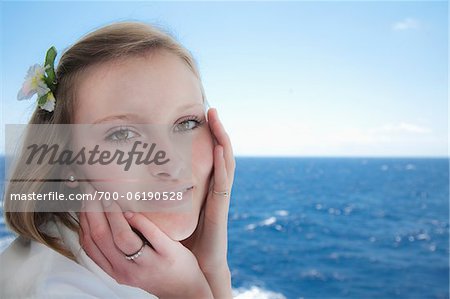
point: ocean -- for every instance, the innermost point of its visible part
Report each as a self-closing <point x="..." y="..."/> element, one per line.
<point x="337" y="228"/>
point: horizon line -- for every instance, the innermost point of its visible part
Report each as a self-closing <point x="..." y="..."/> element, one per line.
<point x="344" y="157"/>
<point x="335" y="156"/>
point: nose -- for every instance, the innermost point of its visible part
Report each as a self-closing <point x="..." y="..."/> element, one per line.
<point x="169" y="170"/>
<point x="177" y="163"/>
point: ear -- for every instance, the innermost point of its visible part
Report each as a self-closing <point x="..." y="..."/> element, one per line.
<point x="70" y="178"/>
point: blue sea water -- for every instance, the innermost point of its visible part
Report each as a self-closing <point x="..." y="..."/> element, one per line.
<point x="337" y="228"/>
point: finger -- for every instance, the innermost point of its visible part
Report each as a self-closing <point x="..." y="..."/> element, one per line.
<point x="101" y="234"/>
<point x="217" y="128"/>
<point x="215" y="222"/>
<point x="90" y="247"/>
<point x="216" y="207"/>
<point x="223" y="138"/>
<point x="124" y="237"/>
<point x="160" y="242"/>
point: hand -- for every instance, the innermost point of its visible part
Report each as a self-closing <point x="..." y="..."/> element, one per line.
<point x="209" y="240"/>
<point x="166" y="268"/>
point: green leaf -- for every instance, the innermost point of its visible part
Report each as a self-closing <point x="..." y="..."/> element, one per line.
<point x="49" y="82"/>
<point x="50" y="56"/>
<point x="42" y="99"/>
<point x="50" y="71"/>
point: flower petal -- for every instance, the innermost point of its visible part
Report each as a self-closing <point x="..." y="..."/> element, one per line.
<point x="42" y="87"/>
<point x="34" y="83"/>
<point x="50" y="103"/>
<point x="25" y="92"/>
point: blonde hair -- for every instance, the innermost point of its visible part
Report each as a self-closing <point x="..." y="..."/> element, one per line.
<point x="109" y="43"/>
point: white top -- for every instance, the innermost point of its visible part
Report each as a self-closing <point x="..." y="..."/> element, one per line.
<point x="33" y="270"/>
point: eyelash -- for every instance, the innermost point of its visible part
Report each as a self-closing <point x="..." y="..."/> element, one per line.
<point x="199" y="122"/>
<point x="120" y="141"/>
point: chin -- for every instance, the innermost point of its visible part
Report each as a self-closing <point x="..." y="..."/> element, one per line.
<point x="181" y="222"/>
<point x="178" y="226"/>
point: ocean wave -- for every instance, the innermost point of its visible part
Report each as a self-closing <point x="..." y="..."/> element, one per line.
<point x="269" y="221"/>
<point x="282" y="213"/>
<point x="266" y="222"/>
<point x="255" y="292"/>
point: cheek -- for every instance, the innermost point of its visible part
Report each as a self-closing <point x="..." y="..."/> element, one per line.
<point x="112" y="177"/>
<point x="202" y="156"/>
<point x="106" y="180"/>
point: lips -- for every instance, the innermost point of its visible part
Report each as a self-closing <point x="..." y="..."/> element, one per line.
<point x="182" y="188"/>
<point x="186" y="189"/>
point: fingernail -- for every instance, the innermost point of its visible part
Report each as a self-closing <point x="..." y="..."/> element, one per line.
<point x="128" y="214"/>
<point x="106" y="203"/>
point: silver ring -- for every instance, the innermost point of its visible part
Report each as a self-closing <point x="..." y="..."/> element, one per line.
<point x="224" y="193"/>
<point x="132" y="257"/>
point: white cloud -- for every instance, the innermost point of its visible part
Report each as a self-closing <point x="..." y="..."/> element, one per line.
<point x="408" y="23"/>
<point x="403" y="127"/>
<point x="398" y="133"/>
<point x="290" y="138"/>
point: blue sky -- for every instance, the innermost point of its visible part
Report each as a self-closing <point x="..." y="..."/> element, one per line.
<point x="288" y="78"/>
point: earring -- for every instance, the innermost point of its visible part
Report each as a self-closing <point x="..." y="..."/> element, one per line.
<point x="72" y="178"/>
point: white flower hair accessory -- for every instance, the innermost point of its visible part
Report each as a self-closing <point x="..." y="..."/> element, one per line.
<point x="41" y="80"/>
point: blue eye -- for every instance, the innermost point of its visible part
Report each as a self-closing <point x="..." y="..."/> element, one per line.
<point x="188" y="124"/>
<point x="122" y="135"/>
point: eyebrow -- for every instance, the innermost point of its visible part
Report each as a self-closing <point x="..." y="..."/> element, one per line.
<point x="187" y="106"/>
<point x="115" y="117"/>
<point x="128" y="117"/>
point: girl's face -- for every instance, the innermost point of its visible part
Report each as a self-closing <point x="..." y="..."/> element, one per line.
<point x="156" y="99"/>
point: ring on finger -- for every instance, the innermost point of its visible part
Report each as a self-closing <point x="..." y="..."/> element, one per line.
<point x="132" y="257"/>
<point x="223" y="193"/>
